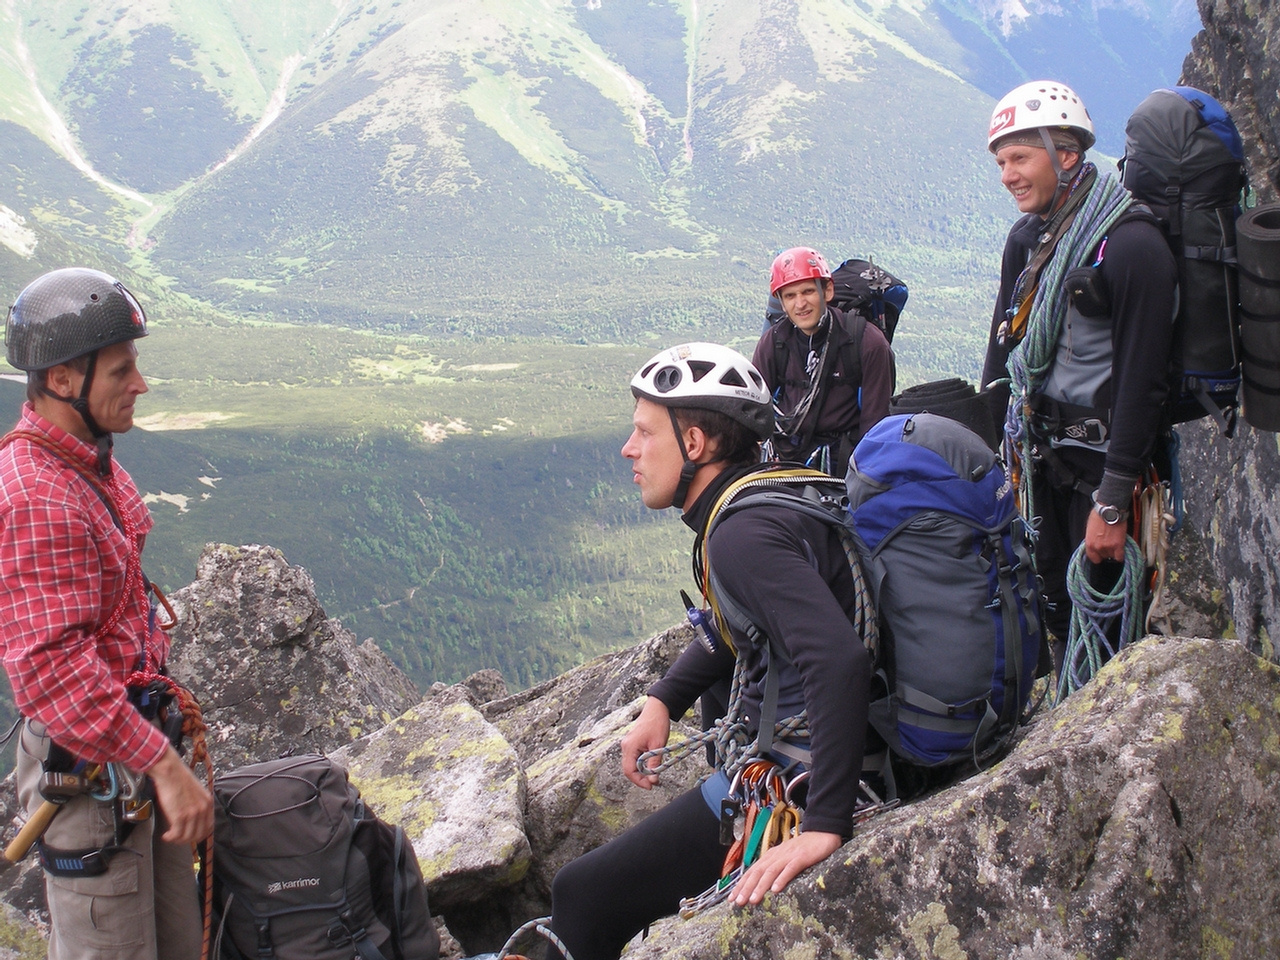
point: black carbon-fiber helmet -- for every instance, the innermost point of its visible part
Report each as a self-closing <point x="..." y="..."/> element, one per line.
<point x="68" y="313"/>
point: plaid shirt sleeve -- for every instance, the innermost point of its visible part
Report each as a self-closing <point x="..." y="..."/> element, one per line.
<point x="62" y="568"/>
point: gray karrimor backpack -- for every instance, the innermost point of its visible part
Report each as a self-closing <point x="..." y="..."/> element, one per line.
<point x="303" y="870"/>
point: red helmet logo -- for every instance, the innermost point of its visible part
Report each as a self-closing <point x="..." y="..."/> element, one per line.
<point x="1002" y="120"/>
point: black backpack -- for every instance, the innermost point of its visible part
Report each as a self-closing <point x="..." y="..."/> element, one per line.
<point x="871" y="292"/>
<point x="303" y="870"/>
<point x="1183" y="159"/>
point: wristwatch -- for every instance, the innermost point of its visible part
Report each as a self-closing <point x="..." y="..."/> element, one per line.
<point x="1110" y="514"/>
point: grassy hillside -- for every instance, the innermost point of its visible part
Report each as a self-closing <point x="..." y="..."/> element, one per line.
<point x="463" y="503"/>
<point x="457" y="228"/>
<point x="578" y="170"/>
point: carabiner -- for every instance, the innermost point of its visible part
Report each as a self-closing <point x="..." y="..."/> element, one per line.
<point x="113" y="786"/>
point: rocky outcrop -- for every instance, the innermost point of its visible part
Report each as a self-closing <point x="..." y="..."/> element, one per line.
<point x="456" y="786"/>
<point x="272" y="672"/>
<point x="1234" y="58"/>
<point x="1139" y="819"/>
<point x="566" y="733"/>
<point x="493" y="794"/>
<point x="1232" y="484"/>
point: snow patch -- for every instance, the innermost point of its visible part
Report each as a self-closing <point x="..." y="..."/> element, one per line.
<point x="437" y="432"/>
<point x="15" y="234"/>
<point x="177" y="499"/>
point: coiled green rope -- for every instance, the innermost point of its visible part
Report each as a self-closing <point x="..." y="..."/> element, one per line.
<point x="1095" y="614"/>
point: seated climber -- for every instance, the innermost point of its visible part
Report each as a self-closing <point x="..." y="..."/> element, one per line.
<point x="701" y="412"/>
<point x="831" y="373"/>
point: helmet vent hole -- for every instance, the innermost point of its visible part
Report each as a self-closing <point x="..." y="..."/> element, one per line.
<point x="700" y="368"/>
<point x="93" y="297"/>
<point x="732" y="378"/>
<point x="667" y="379"/>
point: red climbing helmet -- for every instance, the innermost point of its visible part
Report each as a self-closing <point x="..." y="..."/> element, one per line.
<point x="798" y="263"/>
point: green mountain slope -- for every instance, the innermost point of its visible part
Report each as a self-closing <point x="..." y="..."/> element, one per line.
<point x="576" y="169"/>
<point x="521" y="152"/>
<point x="453" y="205"/>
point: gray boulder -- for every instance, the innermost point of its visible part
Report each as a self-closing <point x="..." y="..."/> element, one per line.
<point x="453" y="783"/>
<point x="271" y="671"/>
<point x="1139" y="819"/>
<point x="579" y="798"/>
<point x="1232" y="484"/>
<point x="567" y="732"/>
<point x="558" y="711"/>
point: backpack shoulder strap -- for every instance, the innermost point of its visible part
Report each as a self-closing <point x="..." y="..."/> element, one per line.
<point x="855" y="325"/>
<point x="805" y="491"/>
<point x="764" y="485"/>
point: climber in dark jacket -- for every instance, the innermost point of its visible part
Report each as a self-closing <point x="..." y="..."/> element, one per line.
<point x="1090" y="374"/>
<point x="701" y="412"/>
<point x="824" y="398"/>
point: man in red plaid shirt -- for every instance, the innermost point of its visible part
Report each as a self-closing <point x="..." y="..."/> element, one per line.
<point x="76" y="623"/>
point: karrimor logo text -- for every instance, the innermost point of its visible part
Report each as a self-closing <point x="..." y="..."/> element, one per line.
<point x="1002" y="120"/>
<point x="280" y="885"/>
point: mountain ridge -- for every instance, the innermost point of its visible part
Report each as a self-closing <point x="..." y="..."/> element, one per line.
<point x="420" y="145"/>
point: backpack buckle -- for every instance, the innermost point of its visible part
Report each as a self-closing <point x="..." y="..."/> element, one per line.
<point x="338" y="933"/>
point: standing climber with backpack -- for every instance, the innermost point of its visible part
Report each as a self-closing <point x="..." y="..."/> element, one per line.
<point x="701" y="412"/>
<point x="1081" y="334"/>
<point x="830" y="373"/>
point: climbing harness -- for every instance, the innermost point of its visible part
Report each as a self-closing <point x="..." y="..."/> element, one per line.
<point x="762" y="811"/>
<point x="733" y="746"/>
<point x="1029" y="362"/>
<point x="1095" y="614"/>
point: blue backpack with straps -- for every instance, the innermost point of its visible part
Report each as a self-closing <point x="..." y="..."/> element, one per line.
<point x="948" y="562"/>
<point x="935" y="540"/>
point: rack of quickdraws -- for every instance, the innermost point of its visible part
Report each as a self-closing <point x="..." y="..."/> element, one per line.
<point x="761" y="811"/>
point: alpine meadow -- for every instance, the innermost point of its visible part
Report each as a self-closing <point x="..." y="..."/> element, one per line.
<point x="401" y="259"/>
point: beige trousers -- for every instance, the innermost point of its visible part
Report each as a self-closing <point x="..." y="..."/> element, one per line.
<point x="143" y="908"/>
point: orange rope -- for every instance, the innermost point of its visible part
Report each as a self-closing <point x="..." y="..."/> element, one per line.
<point x="193" y="726"/>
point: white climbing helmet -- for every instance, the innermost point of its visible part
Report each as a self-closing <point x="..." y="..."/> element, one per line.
<point x="1041" y="103"/>
<point x="709" y="377"/>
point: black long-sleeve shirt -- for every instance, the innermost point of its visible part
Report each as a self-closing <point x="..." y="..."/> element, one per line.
<point x="1140" y="276"/>
<point x="790" y="573"/>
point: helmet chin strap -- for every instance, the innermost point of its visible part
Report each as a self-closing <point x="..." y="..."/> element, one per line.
<point x="81" y="405"/>
<point x="690" y="468"/>
<point x="1064" y="176"/>
<point x="687" y="471"/>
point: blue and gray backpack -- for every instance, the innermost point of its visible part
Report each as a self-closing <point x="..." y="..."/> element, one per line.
<point x="954" y="617"/>
<point x="948" y="561"/>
